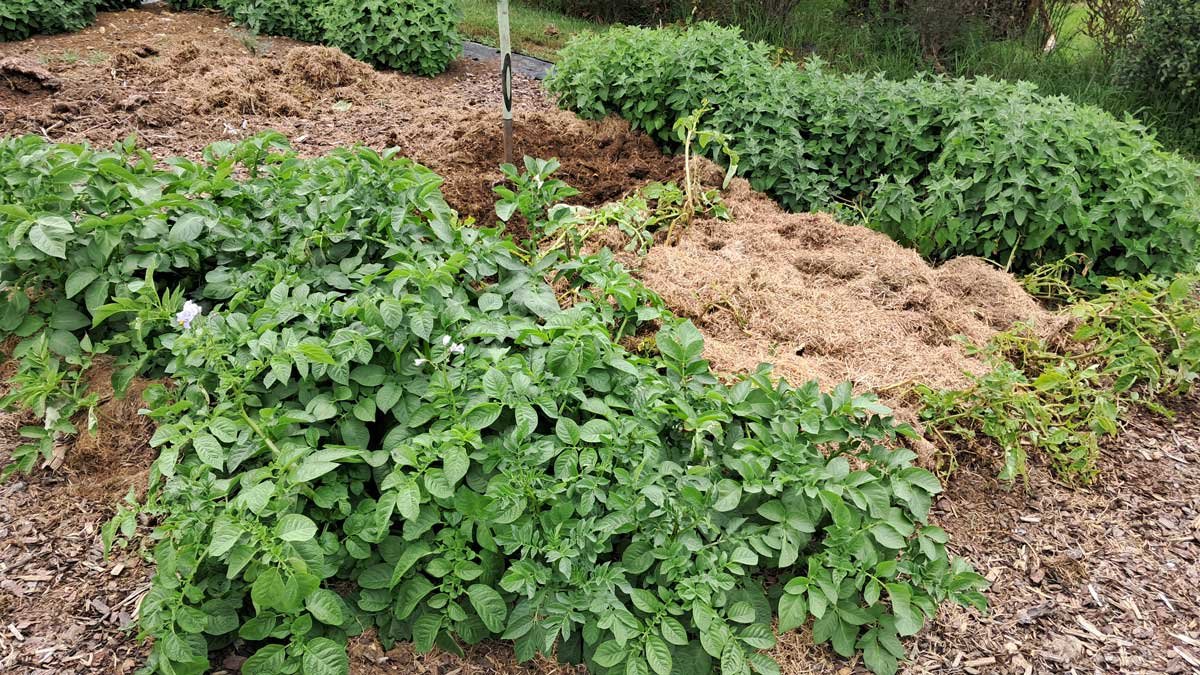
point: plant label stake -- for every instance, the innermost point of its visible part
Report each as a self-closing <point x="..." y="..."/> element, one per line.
<point x="506" y="77"/>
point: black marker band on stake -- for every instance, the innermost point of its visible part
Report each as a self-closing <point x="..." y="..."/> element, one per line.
<point x="506" y="83"/>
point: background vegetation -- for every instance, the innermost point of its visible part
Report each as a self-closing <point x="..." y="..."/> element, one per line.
<point x="1108" y="53"/>
<point x="536" y="31"/>
<point x="1003" y="40"/>
<point x="20" y="19"/>
<point x="949" y="167"/>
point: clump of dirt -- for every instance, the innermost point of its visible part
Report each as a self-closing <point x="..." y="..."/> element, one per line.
<point x="252" y="86"/>
<point x="27" y="77"/>
<point x="279" y="88"/>
<point x="325" y="68"/>
<point x="603" y="160"/>
<point x="117" y="451"/>
<point x="831" y="302"/>
<point x="189" y="53"/>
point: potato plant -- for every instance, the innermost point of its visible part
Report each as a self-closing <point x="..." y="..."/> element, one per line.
<point x="949" y="167"/>
<point x="383" y="418"/>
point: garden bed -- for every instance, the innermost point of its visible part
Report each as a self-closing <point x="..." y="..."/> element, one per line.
<point x="853" y="305"/>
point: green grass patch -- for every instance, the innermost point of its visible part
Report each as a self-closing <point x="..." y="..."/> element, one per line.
<point x="536" y="32"/>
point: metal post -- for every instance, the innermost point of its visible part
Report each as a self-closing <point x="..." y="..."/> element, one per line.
<point x="506" y="77"/>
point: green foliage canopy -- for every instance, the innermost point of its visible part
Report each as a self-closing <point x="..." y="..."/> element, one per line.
<point x="20" y="19"/>
<point x="950" y="167"/>
<point x="413" y="36"/>
<point x="297" y="19"/>
<point x="384" y="418"/>
<point x="1165" y="54"/>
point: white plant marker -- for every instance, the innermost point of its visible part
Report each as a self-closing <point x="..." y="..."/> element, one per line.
<point x="506" y="77"/>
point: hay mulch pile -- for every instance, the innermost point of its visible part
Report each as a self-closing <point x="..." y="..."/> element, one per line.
<point x="1102" y="579"/>
<point x="831" y="302"/>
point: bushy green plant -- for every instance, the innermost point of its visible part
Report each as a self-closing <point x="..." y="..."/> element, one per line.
<point x="413" y="36"/>
<point x="1026" y="181"/>
<point x="951" y="167"/>
<point x="297" y="19"/>
<point x="20" y="19"/>
<point x="1165" y="54"/>
<point x="384" y="418"/>
<point x="71" y="248"/>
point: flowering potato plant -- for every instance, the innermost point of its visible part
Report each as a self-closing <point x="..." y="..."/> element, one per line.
<point x="385" y="419"/>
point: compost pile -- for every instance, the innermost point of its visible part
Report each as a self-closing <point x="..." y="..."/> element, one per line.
<point x="819" y="299"/>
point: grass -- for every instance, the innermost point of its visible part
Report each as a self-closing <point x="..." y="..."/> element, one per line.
<point x="536" y="32"/>
<point x="67" y="57"/>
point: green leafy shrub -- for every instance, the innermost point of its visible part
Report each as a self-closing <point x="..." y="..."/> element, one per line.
<point x="1165" y="54"/>
<point x="413" y="36"/>
<point x="951" y="167"/>
<point x="383" y="418"/>
<point x="1025" y="182"/>
<point x="297" y="19"/>
<point x="20" y="19"/>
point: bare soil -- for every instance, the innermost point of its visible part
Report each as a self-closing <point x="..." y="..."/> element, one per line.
<point x="1101" y="579"/>
<point x="64" y="606"/>
<point x="182" y="81"/>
